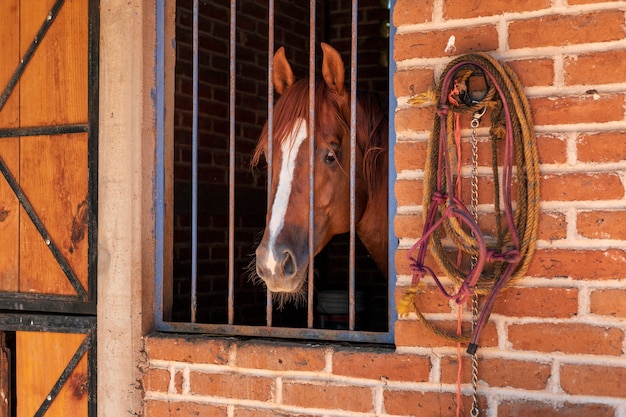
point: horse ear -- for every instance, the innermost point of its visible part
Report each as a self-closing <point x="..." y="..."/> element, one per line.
<point x="283" y="75"/>
<point x="333" y="70"/>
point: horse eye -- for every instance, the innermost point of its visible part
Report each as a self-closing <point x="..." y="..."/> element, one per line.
<point x="330" y="157"/>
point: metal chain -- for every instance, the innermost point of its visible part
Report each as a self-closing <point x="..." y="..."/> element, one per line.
<point x="474" y="210"/>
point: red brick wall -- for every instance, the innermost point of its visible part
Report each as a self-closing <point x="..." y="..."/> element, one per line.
<point x="555" y="344"/>
<point x="548" y="341"/>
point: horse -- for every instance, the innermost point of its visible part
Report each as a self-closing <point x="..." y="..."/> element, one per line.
<point x="282" y="256"/>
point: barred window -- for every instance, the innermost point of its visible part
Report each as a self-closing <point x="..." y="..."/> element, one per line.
<point x="214" y="209"/>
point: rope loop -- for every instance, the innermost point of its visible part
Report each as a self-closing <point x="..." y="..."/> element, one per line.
<point x="503" y="250"/>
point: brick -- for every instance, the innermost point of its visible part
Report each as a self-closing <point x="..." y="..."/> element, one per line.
<point x="577" y="109"/>
<point x="416" y="119"/>
<point x="485" y="146"/>
<point x="255" y="412"/>
<point x="601" y="147"/>
<point x="283" y="357"/>
<point x="609" y="302"/>
<point x="605" y="381"/>
<point x="419" y="403"/>
<point x="231" y="386"/>
<point x="486" y="191"/>
<point x="603" y="224"/>
<point x="415" y="333"/>
<point x="499" y="372"/>
<point x="405" y="12"/>
<point x="552" y="226"/>
<point x="409" y="192"/>
<point x="537" y="302"/>
<point x="413" y="81"/>
<point x="561" y="30"/>
<point x="595" y="68"/>
<point x="155" y="379"/>
<point x="381" y="365"/>
<point x="193" y="349"/>
<point x="402" y="263"/>
<point x="582" y="187"/>
<point x="330" y="396"/>
<point x="567" y="338"/>
<point x="408" y="225"/>
<point x="155" y="408"/>
<point x="464" y="9"/>
<point x="460" y="9"/>
<point x="578" y="264"/>
<point x="533" y="72"/>
<point x="551" y="149"/>
<point x="539" y="409"/>
<point x="410" y="155"/>
<point x="432" y="44"/>
<point x="178" y="382"/>
<point x="427" y="300"/>
<point x="572" y="2"/>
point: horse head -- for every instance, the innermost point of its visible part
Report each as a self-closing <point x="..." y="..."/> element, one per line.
<point x="282" y="257"/>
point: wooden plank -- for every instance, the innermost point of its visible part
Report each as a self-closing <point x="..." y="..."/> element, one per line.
<point x="9" y="147"/>
<point x="54" y="178"/>
<point x="10" y="57"/>
<point x="53" y="89"/>
<point x="5" y="377"/>
<point x="40" y="360"/>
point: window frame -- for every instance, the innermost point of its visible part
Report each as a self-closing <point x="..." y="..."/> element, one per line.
<point x="162" y="211"/>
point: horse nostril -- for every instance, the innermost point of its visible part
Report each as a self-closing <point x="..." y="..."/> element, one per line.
<point x="289" y="265"/>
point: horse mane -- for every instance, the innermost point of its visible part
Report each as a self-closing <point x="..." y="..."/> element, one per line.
<point x="371" y="131"/>
<point x="373" y="136"/>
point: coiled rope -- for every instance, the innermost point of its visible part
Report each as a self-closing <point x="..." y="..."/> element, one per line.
<point x="500" y="258"/>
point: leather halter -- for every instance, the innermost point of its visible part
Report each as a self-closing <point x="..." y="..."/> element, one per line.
<point x="446" y="205"/>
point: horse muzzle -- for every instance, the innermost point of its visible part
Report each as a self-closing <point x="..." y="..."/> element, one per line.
<point x="279" y="269"/>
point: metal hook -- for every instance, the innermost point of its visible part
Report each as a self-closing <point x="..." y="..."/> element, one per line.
<point x="476" y="117"/>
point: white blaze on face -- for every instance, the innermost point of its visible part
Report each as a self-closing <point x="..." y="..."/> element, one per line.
<point x="290" y="147"/>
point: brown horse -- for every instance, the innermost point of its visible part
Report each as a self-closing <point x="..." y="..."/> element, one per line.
<point x="282" y="257"/>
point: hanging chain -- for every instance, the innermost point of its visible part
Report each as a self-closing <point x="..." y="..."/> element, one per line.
<point x="474" y="210"/>
<point x="474" y="142"/>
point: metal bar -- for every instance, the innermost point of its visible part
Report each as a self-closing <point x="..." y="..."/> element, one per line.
<point x="56" y="8"/>
<point x="46" y="302"/>
<point x="194" y="170"/>
<point x="32" y="322"/>
<point x="353" y="104"/>
<point x="67" y="372"/>
<point x="311" y="132"/>
<point x="44" y="130"/>
<point x="56" y="252"/>
<point x="270" y="128"/>
<point x="159" y="171"/>
<point x="279" y="332"/>
<point x="93" y="103"/>
<point x="92" y="148"/>
<point x="92" y="373"/>
<point x="231" y="164"/>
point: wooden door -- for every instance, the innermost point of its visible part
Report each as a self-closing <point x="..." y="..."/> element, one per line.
<point x="48" y="143"/>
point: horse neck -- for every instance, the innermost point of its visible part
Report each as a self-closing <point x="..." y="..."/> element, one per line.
<point x="372" y="228"/>
<point x="373" y="225"/>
